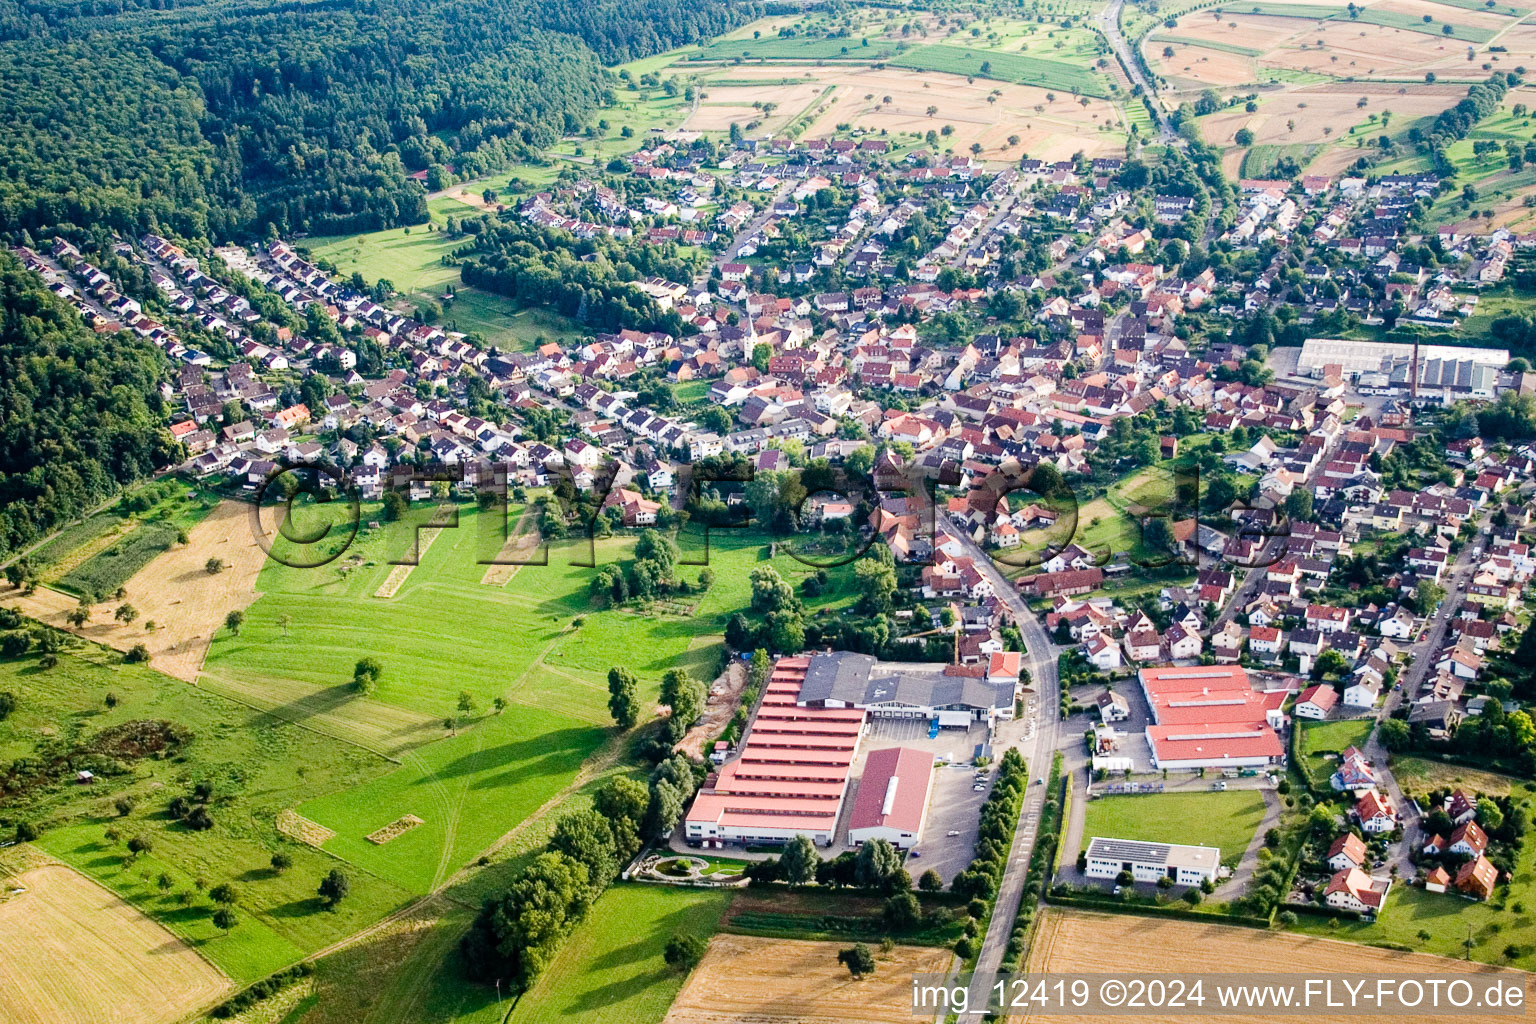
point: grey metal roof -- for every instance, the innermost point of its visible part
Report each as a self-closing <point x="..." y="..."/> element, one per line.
<point x="1129" y="849"/>
<point x="861" y="680"/>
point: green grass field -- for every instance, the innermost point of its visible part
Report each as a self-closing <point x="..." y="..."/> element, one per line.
<point x="800" y="48"/>
<point x="1020" y="68"/>
<point x="1260" y="161"/>
<point x="411" y="259"/>
<point x="1226" y="820"/>
<point x="1320" y="738"/>
<point x="83" y="561"/>
<point x="445" y="632"/>
<point x="610" y="971"/>
<point x="469" y="789"/>
<point x="1480" y="5"/>
<point x="257" y="765"/>
<point x="1413" y="23"/>
<point x="1420" y="775"/>
<point x="1370" y="16"/>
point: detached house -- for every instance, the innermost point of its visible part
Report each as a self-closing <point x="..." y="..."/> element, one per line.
<point x="1353" y="889"/>
<point x="1375" y="812"/>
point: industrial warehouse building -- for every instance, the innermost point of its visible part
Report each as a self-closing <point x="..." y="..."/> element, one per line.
<point x="956" y="695"/>
<point x="892" y="802"/>
<point x="791" y="774"/>
<point x="1209" y="716"/>
<point x="1147" y="862"/>
<point x="1356" y="357"/>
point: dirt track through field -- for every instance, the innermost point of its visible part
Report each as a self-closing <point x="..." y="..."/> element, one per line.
<point x="749" y="980"/>
<point x="73" y="953"/>
<point x="186" y="603"/>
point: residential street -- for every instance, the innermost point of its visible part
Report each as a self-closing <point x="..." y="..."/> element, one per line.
<point x="1040" y="659"/>
<point x="1109" y="24"/>
<point x="1420" y="664"/>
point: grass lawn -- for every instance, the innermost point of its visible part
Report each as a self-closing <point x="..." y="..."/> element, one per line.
<point x="1447" y="918"/>
<point x="1319" y="738"/>
<point x="1420" y="775"/>
<point x="1225" y="820"/>
<point x="257" y="765"/>
<point x="516" y="642"/>
<point x="610" y="970"/>
<point x="469" y="789"/>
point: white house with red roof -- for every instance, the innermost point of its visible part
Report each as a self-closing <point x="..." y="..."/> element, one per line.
<point x="1348" y="851"/>
<point x="1353" y="889"/>
<point x="1316" y="702"/>
<point x="1375" y="811"/>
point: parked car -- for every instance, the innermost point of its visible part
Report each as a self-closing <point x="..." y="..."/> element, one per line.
<point x="952" y="832"/>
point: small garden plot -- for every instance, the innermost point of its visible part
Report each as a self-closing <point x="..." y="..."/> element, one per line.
<point x="395" y="829"/>
<point x="114" y="565"/>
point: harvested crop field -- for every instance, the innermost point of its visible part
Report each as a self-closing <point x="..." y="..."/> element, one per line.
<point x="76" y="954"/>
<point x="186" y="603"/>
<point x="1349" y="48"/>
<point x="394" y="830"/>
<point x="1302" y="115"/>
<point x="1248" y="31"/>
<point x="294" y="825"/>
<point x="1073" y="941"/>
<point x="1198" y="66"/>
<point x="1056" y="131"/>
<point x="746" y="980"/>
<point x="725" y="105"/>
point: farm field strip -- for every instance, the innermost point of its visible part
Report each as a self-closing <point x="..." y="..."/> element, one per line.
<point x="94" y="957"/>
<point x="1081" y="942"/>
<point x="749" y="980"/>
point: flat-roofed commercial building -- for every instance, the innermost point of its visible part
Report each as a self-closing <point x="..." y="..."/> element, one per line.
<point x="1147" y="862"/>
<point x="1209" y="716"/>
<point x="956" y="695"/>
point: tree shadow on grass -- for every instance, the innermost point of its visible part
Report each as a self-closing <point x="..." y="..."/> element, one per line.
<point x="616" y="991"/>
<point x="296" y="908"/>
<point x="524" y="754"/>
<point x="663" y="928"/>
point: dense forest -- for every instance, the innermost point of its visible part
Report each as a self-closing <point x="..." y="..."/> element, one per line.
<point x="232" y="117"/>
<point x="79" y="414"/>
